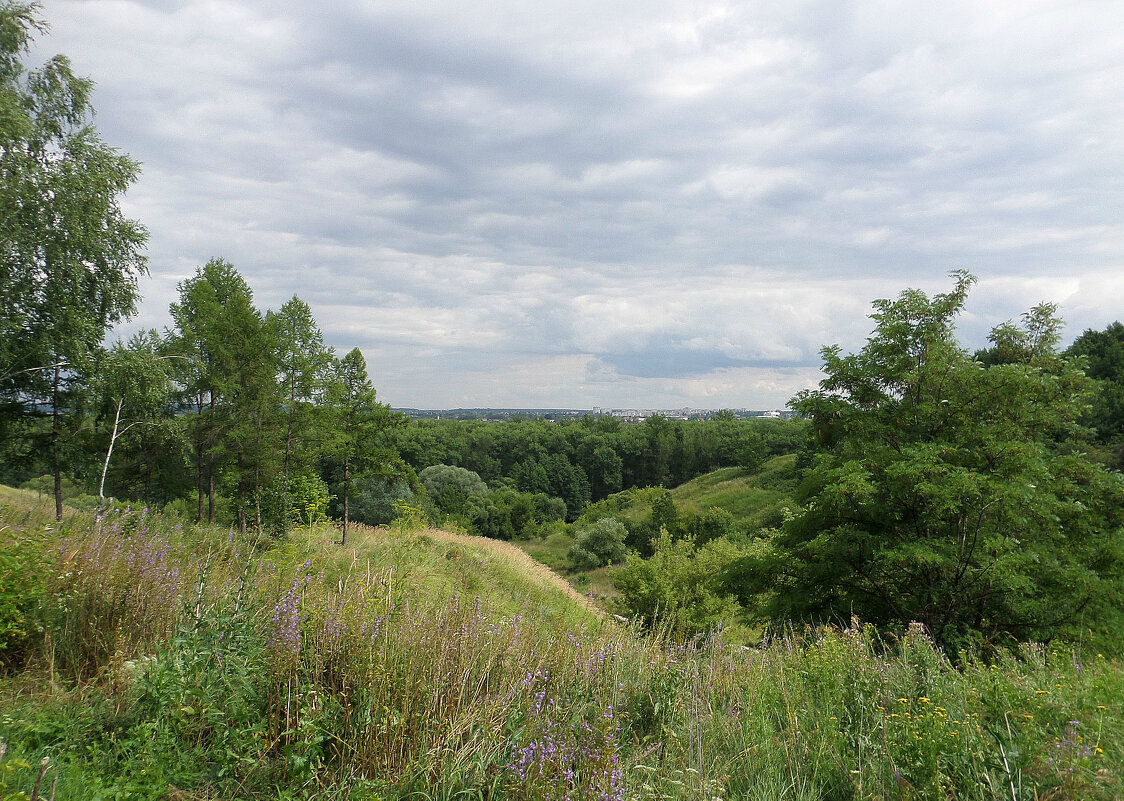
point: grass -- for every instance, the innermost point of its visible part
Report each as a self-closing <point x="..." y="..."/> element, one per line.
<point x="744" y="495"/>
<point x="158" y="662"/>
<point x="754" y="499"/>
<point x="552" y="551"/>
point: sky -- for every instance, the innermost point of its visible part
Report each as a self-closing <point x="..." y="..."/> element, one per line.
<point x="578" y="204"/>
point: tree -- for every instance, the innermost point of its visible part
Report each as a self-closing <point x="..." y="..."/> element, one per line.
<point x="304" y="364"/>
<point x="599" y="544"/>
<point x="681" y="583"/>
<point x="228" y="378"/>
<point x="452" y="489"/>
<point x="357" y="418"/>
<point x="69" y="258"/>
<point x="1103" y="352"/>
<point x="946" y="491"/>
<point x="135" y="387"/>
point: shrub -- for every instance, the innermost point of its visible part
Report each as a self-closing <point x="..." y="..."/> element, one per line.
<point x="599" y="545"/>
<point x="21" y="591"/>
<point x="681" y="583"/>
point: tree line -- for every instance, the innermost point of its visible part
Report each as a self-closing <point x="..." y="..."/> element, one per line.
<point x="241" y="416"/>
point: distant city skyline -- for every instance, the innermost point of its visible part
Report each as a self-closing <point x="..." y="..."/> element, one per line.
<point x="647" y="205"/>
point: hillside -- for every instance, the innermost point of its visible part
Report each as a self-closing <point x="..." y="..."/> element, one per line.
<point x="448" y="564"/>
<point x="753" y="499"/>
<point x="155" y="659"/>
<point x="750" y="497"/>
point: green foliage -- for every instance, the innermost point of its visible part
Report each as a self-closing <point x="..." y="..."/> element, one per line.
<point x="227" y="357"/>
<point x="309" y="497"/>
<point x="712" y="524"/>
<point x="507" y="514"/>
<point x="949" y="492"/>
<point x="681" y="584"/>
<point x="304" y="365"/>
<point x="22" y="591"/>
<point x="134" y="385"/>
<point x="70" y="259"/>
<point x="598" y="545"/>
<point x="355" y="422"/>
<point x="453" y="489"/>
<point x="374" y="497"/>
<point x="1102" y="353"/>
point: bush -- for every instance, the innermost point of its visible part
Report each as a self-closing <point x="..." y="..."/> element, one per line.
<point x="680" y="583"/>
<point x="715" y="523"/>
<point x="599" y="545"/>
<point x="309" y="499"/>
<point x="452" y="489"/>
<point x="373" y="499"/>
<point x="21" y="590"/>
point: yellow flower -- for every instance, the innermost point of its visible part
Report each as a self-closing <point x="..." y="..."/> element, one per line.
<point x="1041" y="692"/>
<point x="1028" y="716"/>
<point x="923" y="700"/>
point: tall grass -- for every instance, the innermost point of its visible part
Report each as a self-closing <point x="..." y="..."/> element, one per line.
<point x="189" y="661"/>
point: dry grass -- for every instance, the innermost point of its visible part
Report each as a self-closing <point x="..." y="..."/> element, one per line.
<point x="500" y="553"/>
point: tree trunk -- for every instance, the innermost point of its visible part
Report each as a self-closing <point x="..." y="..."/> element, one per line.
<point x="56" y="460"/>
<point x="200" y="485"/>
<point x="242" y="510"/>
<point x="109" y="450"/>
<point x="289" y="431"/>
<point x="346" y="496"/>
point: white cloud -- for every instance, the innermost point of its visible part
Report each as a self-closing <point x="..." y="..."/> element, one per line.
<point x="616" y="203"/>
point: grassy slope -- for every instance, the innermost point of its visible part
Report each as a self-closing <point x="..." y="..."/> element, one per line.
<point x="445" y="564"/>
<point x="750" y="497"/>
<point x="744" y="495"/>
<point x="394" y="688"/>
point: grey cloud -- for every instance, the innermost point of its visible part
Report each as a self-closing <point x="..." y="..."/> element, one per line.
<point x="453" y="185"/>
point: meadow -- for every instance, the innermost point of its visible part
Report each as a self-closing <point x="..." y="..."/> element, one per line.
<point x="148" y="658"/>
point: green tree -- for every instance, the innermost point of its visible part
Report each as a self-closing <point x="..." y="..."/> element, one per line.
<point x="599" y="544"/>
<point x="356" y="421"/>
<point x="1103" y="354"/>
<point x="452" y="489"/>
<point x="134" y="387"/>
<point x="949" y="492"/>
<point x="69" y="258"/>
<point x="681" y="583"/>
<point x="228" y="378"/>
<point x="304" y="364"/>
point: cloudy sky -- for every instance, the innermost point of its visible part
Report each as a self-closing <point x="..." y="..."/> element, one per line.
<point x="571" y="203"/>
